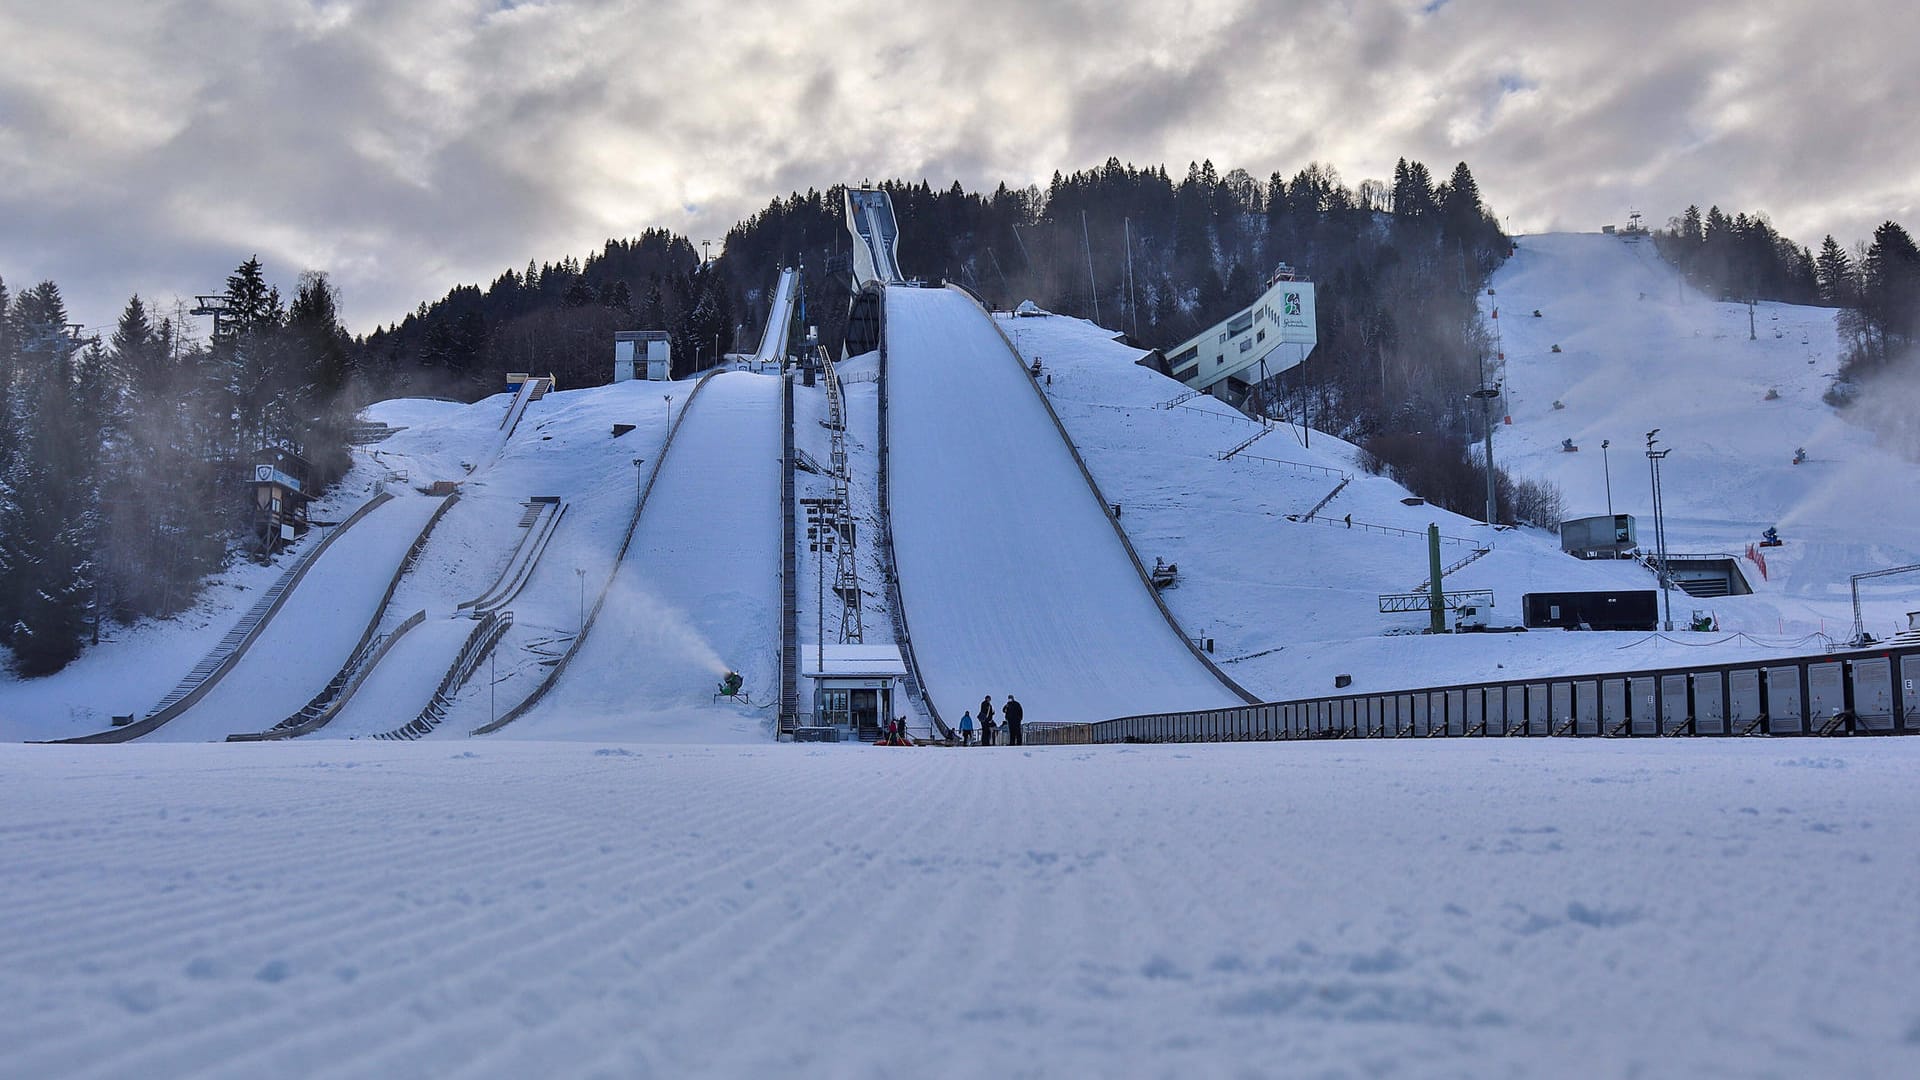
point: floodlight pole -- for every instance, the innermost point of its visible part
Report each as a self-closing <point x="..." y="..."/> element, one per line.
<point x="1608" y="472"/>
<point x="1486" y="394"/>
<point x="1654" y="457"/>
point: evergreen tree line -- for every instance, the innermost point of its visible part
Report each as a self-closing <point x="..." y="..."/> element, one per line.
<point x="1396" y="266"/>
<point x="555" y="318"/>
<point x="123" y="478"/>
<point x="1876" y="286"/>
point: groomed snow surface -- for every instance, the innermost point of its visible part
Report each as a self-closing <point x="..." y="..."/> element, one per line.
<point x="1433" y="908"/>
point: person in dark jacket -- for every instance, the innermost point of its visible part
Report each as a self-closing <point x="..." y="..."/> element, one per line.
<point x="1012" y="711"/>
<point x="987" y="727"/>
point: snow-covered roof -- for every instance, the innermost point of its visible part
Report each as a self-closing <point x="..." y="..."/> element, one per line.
<point x="850" y="661"/>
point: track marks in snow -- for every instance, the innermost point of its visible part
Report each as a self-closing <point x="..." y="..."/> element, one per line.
<point x="526" y="908"/>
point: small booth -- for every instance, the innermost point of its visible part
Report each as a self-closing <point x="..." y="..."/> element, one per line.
<point x="280" y="484"/>
<point x="855" y="688"/>
<point x="642" y="354"/>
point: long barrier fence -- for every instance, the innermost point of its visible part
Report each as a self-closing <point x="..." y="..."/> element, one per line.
<point x="1870" y="692"/>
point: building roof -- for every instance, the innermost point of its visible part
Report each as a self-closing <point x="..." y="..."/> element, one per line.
<point x="851" y="661"/>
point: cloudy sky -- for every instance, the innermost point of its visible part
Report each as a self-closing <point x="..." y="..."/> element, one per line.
<point x="151" y="145"/>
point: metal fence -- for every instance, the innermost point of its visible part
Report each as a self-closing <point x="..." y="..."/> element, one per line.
<point x="1873" y="692"/>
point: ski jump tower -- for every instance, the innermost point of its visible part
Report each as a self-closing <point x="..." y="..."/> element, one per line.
<point x="876" y="247"/>
<point x="876" y="264"/>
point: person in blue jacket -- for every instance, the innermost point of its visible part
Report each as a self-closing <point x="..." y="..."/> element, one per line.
<point x="966" y="729"/>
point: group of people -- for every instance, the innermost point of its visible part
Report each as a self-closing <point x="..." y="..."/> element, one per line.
<point x="990" y="731"/>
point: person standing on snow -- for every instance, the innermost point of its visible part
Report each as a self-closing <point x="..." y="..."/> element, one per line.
<point x="986" y="721"/>
<point x="1012" y="711"/>
<point x="966" y="729"/>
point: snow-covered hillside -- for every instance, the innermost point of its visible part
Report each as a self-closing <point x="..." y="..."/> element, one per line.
<point x="1639" y="351"/>
<point x="1290" y="604"/>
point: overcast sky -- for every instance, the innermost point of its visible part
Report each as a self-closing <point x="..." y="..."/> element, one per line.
<point x="151" y="145"/>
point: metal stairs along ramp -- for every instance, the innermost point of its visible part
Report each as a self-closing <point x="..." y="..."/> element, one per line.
<point x="328" y="702"/>
<point x="325" y="705"/>
<point x="539" y="522"/>
<point x="1471" y="557"/>
<point x="789" y="717"/>
<point x="1327" y="498"/>
<point x="485" y="635"/>
<point x="1266" y="428"/>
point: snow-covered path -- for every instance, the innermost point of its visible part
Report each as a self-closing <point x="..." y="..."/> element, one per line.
<point x="314" y="633"/>
<point x="1012" y="578"/>
<point x="698" y="593"/>
<point x="1546" y="908"/>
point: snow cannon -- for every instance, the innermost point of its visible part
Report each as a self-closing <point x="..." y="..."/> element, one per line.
<point x="730" y="686"/>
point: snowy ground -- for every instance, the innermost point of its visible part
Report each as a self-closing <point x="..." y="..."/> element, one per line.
<point x="1638" y="353"/>
<point x="1290" y="604"/>
<point x="1537" y="908"/>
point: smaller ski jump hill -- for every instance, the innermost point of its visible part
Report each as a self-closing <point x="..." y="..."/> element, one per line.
<point x="1012" y="577"/>
<point x="1638" y="351"/>
<point x="698" y="593"/>
<point x="315" y="631"/>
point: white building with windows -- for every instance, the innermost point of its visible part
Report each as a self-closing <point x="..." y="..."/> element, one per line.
<point x="642" y="354"/>
<point x="1274" y="333"/>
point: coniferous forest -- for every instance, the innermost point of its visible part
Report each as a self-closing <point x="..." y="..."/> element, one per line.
<point x="122" y="479"/>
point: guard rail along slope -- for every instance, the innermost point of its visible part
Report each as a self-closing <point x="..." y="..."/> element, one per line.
<point x="1873" y="692"/>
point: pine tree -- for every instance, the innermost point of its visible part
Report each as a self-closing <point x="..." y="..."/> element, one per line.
<point x="47" y="497"/>
<point x="1834" y="271"/>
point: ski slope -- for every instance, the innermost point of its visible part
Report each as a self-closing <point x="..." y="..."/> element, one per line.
<point x="314" y="632"/>
<point x="1010" y="573"/>
<point x="698" y="594"/>
<point x="1639" y="352"/>
<point x="773" y="341"/>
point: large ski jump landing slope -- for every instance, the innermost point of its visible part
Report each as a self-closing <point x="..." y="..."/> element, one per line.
<point x="1011" y="576"/>
<point x="698" y="593"/>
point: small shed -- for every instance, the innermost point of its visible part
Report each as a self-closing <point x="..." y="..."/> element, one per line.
<point x="282" y="482"/>
<point x="642" y="354"/>
<point x="855" y="687"/>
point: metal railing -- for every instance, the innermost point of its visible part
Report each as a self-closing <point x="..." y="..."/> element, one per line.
<point x="1867" y="692"/>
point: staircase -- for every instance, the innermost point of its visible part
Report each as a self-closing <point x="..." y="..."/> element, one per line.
<point x="1329" y="497"/>
<point x="486" y="633"/>
<point x="1476" y="555"/>
<point x="1266" y="428"/>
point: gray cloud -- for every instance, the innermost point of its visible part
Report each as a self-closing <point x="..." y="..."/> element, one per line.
<point x="406" y="147"/>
